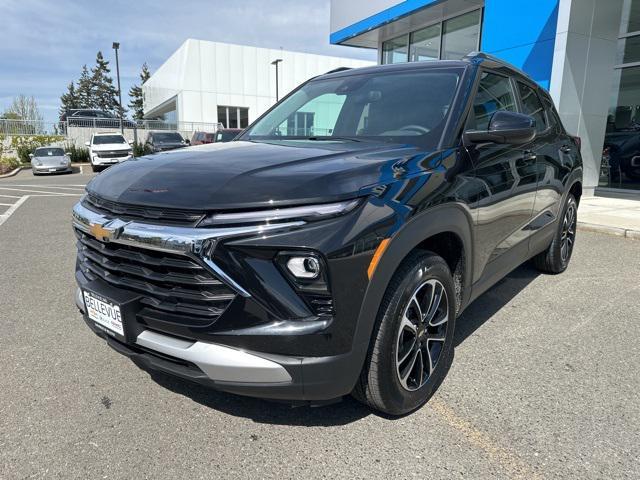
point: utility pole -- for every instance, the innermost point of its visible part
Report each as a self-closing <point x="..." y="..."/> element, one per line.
<point x="276" y="62"/>
<point x="116" y="46"/>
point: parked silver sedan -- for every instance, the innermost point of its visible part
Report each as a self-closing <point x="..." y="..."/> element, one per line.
<point x="50" y="160"/>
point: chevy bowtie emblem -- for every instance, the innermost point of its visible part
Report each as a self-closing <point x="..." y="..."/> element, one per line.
<point x="108" y="231"/>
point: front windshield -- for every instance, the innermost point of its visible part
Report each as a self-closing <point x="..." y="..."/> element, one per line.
<point x="405" y="106"/>
<point x="49" y="152"/>
<point x="167" y="138"/>
<point x="104" y="139"/>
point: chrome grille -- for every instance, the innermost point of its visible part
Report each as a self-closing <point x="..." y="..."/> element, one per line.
<point x="172" y="286"/>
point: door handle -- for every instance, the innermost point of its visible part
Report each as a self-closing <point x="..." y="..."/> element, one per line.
<point x="565" y="149"/>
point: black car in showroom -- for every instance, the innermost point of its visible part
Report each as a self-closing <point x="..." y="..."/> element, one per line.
<point x="308" y="263"/>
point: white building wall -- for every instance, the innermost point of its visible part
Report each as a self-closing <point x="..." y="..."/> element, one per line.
<point x="201" y="75"/>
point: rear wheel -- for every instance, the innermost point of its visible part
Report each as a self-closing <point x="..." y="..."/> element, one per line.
<point x="555" y="259"/>
<point x="412" y="342"/>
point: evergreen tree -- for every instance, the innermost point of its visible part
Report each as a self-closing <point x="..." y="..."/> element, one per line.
<point x="105" y="95"/>
<point x="84" y="92"/>
<point x="136" y="95"/>
<point x="70" y="99"/>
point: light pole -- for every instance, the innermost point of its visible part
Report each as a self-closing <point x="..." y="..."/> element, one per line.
<point x="116" y="46"/>
<point x="276" y="62"/>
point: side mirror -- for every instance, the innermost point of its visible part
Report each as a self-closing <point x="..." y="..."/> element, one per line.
<point x="187" y="141"/>
<point x="505" y="127"/>
<point x="87" y="144"/>
<point x="130" y="142"/>
<point x="31" y="155"/>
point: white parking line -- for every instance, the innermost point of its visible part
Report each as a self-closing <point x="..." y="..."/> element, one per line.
<point x="6" y="204"/>
<point x="5" y="216"/>
<point x="11" y="189"/>
<point x="11" y="196"/>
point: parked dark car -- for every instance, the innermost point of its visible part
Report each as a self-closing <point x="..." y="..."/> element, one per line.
<point x="91" y="118"/>
<point x="163" y="141"/>
<point x="305" y="266"/>
<point x="201" y="138"/>
<point x="227" y="134"/>
<point x="623" y="151"/>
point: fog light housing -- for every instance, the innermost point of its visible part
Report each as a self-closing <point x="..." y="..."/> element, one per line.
<point x="306" y="270"/>
<point x="304" y="267"/>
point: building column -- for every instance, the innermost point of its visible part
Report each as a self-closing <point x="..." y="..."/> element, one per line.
<point x="583" y="74"/>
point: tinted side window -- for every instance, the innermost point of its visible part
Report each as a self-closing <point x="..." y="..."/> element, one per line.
<point x="531" y="105"/>
<point x="552" y="115"/>
<point x="494" y="93"/>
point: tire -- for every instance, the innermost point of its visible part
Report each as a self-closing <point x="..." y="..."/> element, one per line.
<point x="391" y="380"/>
<point x="556" y="258"/>
<point x="95" y="168"/>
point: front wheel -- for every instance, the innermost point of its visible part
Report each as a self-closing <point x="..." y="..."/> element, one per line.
<point x="412" y="342"/>
<point x="555" y="259"/>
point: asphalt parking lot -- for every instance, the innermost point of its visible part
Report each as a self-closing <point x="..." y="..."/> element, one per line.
<point x="544" y="384"/>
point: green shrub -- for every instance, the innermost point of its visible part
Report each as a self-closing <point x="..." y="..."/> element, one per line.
<point x="8" y="164"/>
<point x="24" y="145"/>
<point x="141" y="149"/>
<point x="77" y="154"/>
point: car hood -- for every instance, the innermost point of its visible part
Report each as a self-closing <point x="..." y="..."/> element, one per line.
<point x="110" y="147"/>
<point x="50" y="159"/>
<point x="248" y="174"/>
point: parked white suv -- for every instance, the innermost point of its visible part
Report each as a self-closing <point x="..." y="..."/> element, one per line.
<point x="108" y="148"/>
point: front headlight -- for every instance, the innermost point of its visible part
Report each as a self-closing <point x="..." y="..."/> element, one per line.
<point x="307" y="213"/>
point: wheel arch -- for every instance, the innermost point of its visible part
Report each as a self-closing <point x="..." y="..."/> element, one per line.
<point x="425" y="231"/>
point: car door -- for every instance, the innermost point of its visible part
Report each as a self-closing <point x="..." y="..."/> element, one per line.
<point x="503" y="210"/>
<point x="554" y="151"/>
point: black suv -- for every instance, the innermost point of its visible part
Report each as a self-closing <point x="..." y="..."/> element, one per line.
<point x="91" y="118"/>
<point x="329" y="249"/>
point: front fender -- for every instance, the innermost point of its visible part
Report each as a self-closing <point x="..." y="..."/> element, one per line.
<point x="454" y="218"/>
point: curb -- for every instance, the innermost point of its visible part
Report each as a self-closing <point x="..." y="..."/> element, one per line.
<point x="616" y="231"/>
<point x="14" y="172"/>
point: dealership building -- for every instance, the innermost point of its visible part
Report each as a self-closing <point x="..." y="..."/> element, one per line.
<point x="205" y="83"/>
<point x="585" y="52"/>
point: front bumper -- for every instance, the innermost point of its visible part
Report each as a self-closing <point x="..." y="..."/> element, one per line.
<point x="97" y="160"/>
<point x="241" y="361"/>
<point x="51" y="169"/>
<point x="255" y="374"/>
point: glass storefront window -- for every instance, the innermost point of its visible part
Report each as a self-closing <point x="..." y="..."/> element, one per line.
<point x="395" y="50"/>
<point x="233" y="117"/>
<point x="621" y="155"/>
<point x="451" y="39"/>
<point x="460" y="35"/>
<point x="629" y="50"/>
<point x="630" y="16"/>
<point x="425" y="44"/>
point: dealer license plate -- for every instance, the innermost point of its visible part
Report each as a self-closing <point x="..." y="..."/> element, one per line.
<point x="103" y="312"/>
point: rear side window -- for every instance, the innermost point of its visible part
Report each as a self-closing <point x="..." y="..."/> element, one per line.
<point x="531" y="105"/>
<point x="495" y="92"/>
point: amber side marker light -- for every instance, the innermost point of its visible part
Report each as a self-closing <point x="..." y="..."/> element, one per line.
<point x="377" y="256"/>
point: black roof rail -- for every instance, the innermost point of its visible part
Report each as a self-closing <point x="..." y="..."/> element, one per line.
<point x="339" y="69"/>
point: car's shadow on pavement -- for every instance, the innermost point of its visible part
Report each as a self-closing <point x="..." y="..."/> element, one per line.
<point x="264" y="411"/>
<point x="490" y="302"/>
<point x="348" y="410"/>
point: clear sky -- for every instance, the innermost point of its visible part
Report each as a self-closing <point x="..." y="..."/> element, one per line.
<point x="44" y="43"/>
